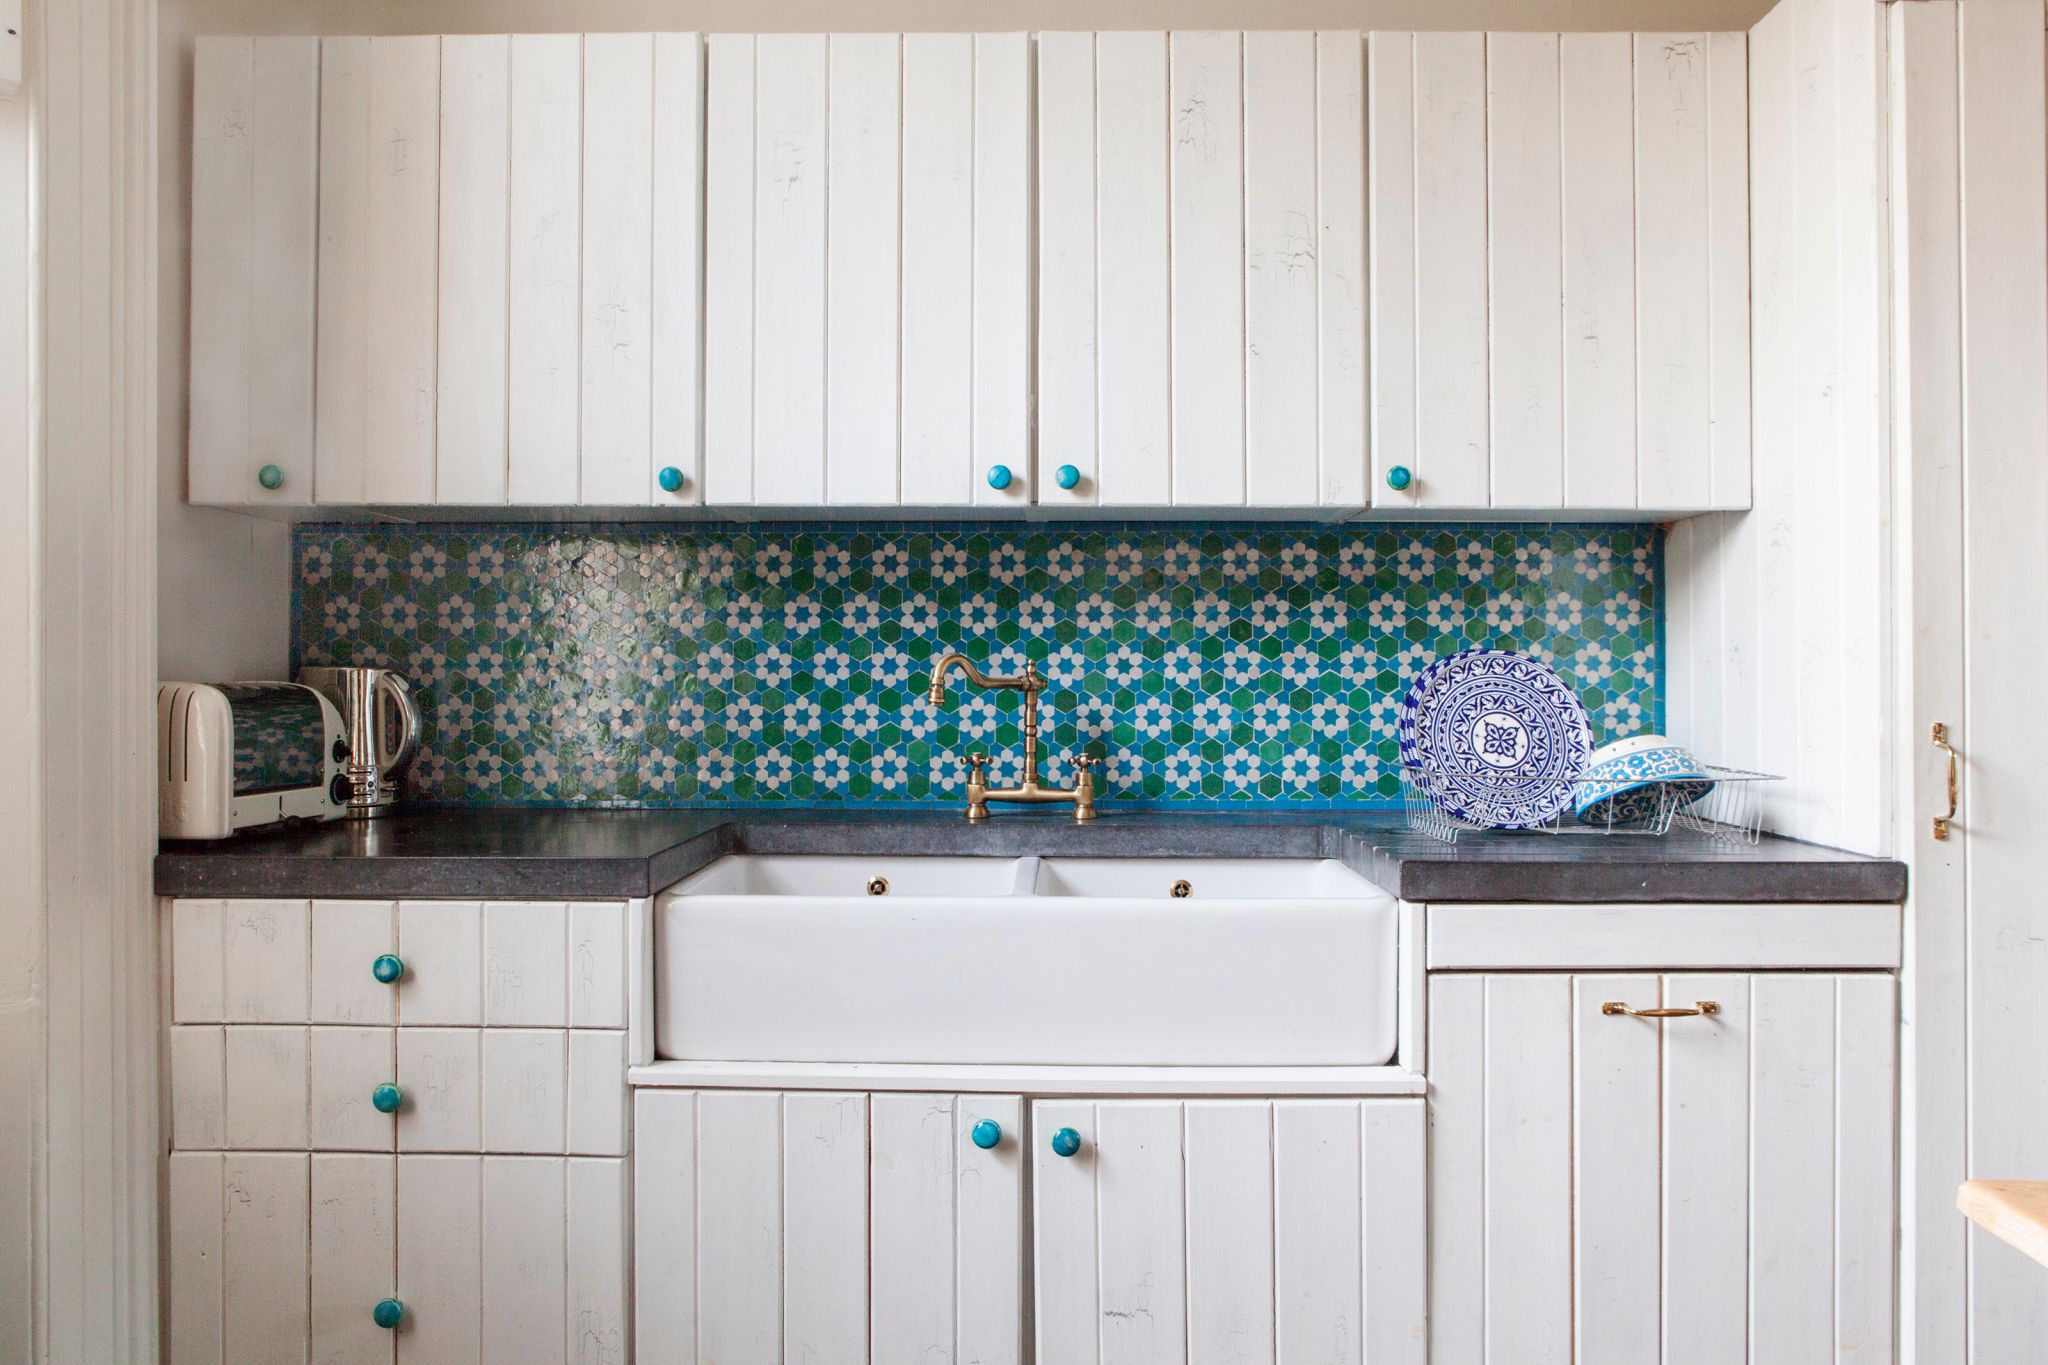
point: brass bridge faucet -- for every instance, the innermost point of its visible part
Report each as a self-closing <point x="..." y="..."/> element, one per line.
<point x="1030" y="791"/>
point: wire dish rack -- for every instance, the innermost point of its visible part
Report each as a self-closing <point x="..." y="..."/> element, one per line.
<point x="1730" y="812"/>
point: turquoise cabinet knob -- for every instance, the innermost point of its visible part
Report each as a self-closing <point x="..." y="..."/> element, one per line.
<point x="1066" y="1142"/>
<point x="387" y="968"/>
<point x="271" y="477"/>
<point x="1066" y="476"/>
<point x="1399" y="477"/>
<point x="670" y="479"/>
<point x="388" y="1313"/>
<point x="999" y="476"/>
<point x="387" y="1097"/>
<point x="986" y="1134"/>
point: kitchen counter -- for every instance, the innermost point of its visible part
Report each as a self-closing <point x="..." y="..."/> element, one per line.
<point x="600" y="854"/>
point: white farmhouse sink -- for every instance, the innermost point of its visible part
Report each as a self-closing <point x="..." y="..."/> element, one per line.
<point x="1070" y="961"/>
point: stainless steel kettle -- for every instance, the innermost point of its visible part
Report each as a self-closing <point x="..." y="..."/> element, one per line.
<point x="381" y="722"/>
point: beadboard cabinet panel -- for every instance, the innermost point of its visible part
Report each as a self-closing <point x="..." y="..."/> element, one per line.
<point x="1212" y="1230"/>
<point x="255" y="157"/>
<point x="617" y="400"/>
<point x="1722" y="1181"/>
<point x="867" y="270"/>
<point x="827" y="1225"/>
<point x="1201" y="262"/>
<point x="474" y="390"/>
<point x="545" y="228"/>
<point x="1560" y="302"/>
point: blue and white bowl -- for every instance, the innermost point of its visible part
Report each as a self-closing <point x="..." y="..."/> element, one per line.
<point x="1636" y="781"/>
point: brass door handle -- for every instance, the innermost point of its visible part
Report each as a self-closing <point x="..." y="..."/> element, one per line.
<point x="1941" y="822"/>
<point x="1699" y="1007"/>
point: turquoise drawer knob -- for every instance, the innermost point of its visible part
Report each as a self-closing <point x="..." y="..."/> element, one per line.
<point x="986" y="1134"/>
<point x="999" y="476"/>
<point x="387" y="969"/>
<point x="271" y="477"/>
<point x="1066" y="476"/>
<point x="387" y="1097"/>
<point x="388" y="1313"/>
<point x="1066" y="1142"/>
<point x="1399" y="477"/>
<point x="670" y="479"/>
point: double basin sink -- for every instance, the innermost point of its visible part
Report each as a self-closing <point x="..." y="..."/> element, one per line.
<point x="1026" y="961"/>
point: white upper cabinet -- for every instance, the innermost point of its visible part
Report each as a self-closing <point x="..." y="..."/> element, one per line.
<point x="1201" y="279"/>
<point x="867" y="271"/>
<point x="1560" y="270"/>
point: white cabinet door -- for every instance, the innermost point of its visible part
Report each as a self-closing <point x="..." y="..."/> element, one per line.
<point x="1201" y="326"/>
<point x="1560" y="270"/>
<point x="1612" y="1190"/>
<point x="867" y="267"/>
<point x="255" y="121"/>
<point x="1228" y="1230"/>
<point x="826" y="1226"/>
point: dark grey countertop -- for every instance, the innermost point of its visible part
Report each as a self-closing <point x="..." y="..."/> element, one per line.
<point x="600" y="854"/>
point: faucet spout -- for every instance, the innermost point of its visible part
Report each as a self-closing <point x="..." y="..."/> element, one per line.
<point x="1030" y="789"/>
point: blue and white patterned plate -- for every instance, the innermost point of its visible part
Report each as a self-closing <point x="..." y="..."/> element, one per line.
<point x="1495" y="738"/>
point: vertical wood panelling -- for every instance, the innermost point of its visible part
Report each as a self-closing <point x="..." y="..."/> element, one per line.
<point x="1706" y="1172"/>
<point x="1866" y="1172"/>
<point x="1133" y="305"/>
<point x="938" y="267"/>
<point x="729" y="199"/>
<point x="476" y="80"/>
<point x="1342" y="379"/>
<point x="676" y="287"/>
<point x="525" y="1084"/>
<point x="1283" y="278"/>
<point x="266" y="1076"/>
<point x="739" y="1227"/>
<point x="198" y="1090"/>
<point x="1397" y="1321"/>
<point x="2005" y="488"/>
<point x="1728" y="268"/>
<point x="789" y="278"/>
<point x="1230" y="1266"/>
<point x="665" y="1225"/>
<point x="525" y="1268"/>
<point x="1068" y="395"/>
<point x="597" y="1093"/>
<point x="864" y="239"/>
<point x="440" y="1258"/>
<point x="1318" y="1252"/>
<point x="911" y="1239"/>
<point x="618" y="269"/>
<point x="544" y="209"/>
<point x="1141" y="1231"/>
<point x="1596" y="85"/>
<point x="1614" y="1169"/>
<point x="1001" y="337"/>
<point x="442" y="1072"/>
<point x="195" y="1209"/>
<point x="1673" y="288"/>
<point x="441" y="943"/>
<point x="598" y="1264"/>
<point x="1457" y="1165"/>
<point x="354" y="1254"/>
<point x="1528" y="1170"/>
<point x="1390" y="224"/>
<point x="825" y="1226"/>
<point x="988" y="1254"/>
<point x="345" y="1066"/>
<point x="223" y="187"/>
<point x="1792" y="1169"/>
<point x="279" y="270"/>
<point x="264" y="1240"/>
<point x="1525" y="257"/>
<point x="347" y="937"/>
<point x="1452" y="432"/>
<point x="597" y="966"/>
<point x="264" y="960"/>
<point x="1206" y="232"/>
<point x="1065" y="1262"/>
<point x="197" y="962"/>
<point x="526" y="970"/>
<point x="401" y="269"/>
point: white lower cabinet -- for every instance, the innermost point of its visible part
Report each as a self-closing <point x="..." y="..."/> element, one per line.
<point x="285" y="1256"/>
<point x="1609" y="1189"/>
<point x="777" y="1226"/>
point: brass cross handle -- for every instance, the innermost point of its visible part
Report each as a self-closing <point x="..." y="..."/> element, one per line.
<point x="1941" y="822"/>
<point x="977" y="767"/>
<point x="1699" y="1007"/>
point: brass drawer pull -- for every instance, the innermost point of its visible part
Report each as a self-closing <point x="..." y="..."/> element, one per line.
<point x="1941" y="822"/>
<point x="1621" y="1007"/>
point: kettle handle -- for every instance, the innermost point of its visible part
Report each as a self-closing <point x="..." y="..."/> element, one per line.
<point x="392" y="687"/>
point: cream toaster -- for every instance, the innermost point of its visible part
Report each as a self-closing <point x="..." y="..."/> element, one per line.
<point x="234" y="756"/>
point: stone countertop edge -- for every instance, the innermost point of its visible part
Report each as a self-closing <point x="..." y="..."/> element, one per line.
<point x="1562" y="869"/>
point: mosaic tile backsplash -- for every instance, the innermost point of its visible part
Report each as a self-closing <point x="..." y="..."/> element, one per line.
<point x="764" y="664"/>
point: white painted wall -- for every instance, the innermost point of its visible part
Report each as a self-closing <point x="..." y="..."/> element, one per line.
<point x="1779" y="619"/>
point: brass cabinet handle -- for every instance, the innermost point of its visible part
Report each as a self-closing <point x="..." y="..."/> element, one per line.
<point x="1941" y="822"/>
<point x="1699" y="1007"/>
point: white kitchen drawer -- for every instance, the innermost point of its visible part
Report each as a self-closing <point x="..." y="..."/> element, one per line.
<point x="1596" y="937"/>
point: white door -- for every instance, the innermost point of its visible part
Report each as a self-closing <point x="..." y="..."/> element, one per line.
<point x="255" y="121"/>
<point x="1228" y="1230"/>
<point x="1614" y="1190"/>
<point x="867" y="270"/>
<point x="1560" y="270"/>
<point x="824" y="1226"/>
<point x="1201" y="304"/>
